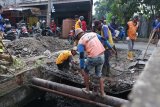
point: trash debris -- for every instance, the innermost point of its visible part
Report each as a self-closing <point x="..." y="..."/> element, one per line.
<point x="132" y="70"/>
<point x="35" y="51"/>
<point x="47" y="53"/>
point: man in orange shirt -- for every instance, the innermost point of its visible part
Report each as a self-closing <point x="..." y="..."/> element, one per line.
<point x="132" y="27"/>
<point x="91" y="44"/>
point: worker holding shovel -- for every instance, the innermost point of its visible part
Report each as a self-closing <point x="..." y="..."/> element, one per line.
<point x="156" y="32"/>
<point x="157" y="28"/>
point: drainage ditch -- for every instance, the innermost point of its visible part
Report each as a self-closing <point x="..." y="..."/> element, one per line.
<point x="120" y="87"/>
<point x="50" y="99"/>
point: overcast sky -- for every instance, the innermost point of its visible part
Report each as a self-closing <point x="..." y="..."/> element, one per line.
<point x="93" y="6"/>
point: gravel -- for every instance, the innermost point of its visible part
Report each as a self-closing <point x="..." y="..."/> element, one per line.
<point x="27" y="47"/>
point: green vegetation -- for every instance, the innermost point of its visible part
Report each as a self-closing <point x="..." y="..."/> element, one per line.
<point x="18" y="64"/>
<point x="124" y="9"/>
<point x="39" y="62"/>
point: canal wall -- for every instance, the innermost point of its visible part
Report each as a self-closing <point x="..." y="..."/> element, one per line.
<point x="14" y="91"/>
<point x="145" y="92"/>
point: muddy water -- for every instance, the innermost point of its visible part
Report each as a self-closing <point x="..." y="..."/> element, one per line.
<point x="51" y="100"/>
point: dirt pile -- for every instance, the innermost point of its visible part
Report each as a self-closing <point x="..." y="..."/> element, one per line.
<point x="26" y="47"/>
<point x="120" y="79"/>
<point x="123" y="75"/>
<point x="29" y="51"/>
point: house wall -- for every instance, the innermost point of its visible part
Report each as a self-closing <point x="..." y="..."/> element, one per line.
<point x="7" y="2"/>
<point x="14" y="2"/>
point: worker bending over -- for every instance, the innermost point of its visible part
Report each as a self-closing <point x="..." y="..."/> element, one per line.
<point x="91" y="44"/>
<point x="65" y="58"/>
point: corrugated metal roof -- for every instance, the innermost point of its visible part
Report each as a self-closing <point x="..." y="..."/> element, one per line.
<point x="45" y="2"/>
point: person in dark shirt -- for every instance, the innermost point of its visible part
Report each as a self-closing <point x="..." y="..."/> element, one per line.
<point x="156" y="32"/>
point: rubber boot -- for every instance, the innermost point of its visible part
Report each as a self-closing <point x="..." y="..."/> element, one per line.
<point x="131" y="56"/>
<point x="128" y="55"/>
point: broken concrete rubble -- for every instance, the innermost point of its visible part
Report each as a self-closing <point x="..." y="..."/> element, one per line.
<point x="121" y="80"/>
<point x="42" y="51"/>
<point x="145" y="92"/>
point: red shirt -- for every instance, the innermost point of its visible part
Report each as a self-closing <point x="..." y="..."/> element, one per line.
<point x="53" y="26"/>
<point x="84" y="26"/>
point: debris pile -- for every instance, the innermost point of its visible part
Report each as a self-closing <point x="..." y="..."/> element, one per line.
<point x="27" y="47"/>
<point x="32" y="52"/>
<point x="121" y="77"/>
<point x="123" y="72"/>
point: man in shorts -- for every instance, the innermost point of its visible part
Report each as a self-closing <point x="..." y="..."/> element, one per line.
<point x="91" y="44"/>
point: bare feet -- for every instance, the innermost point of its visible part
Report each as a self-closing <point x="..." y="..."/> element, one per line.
<point x="85" y="90"/>
<point x="103" y="94"/>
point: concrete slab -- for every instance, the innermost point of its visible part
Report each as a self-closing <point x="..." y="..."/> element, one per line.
<point x="142" y="62"/>
<point x="138" y="45"/>
<point x="145" y="92"/>
<point x="132" y="64"/>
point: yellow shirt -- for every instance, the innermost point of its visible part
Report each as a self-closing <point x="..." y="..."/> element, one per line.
<point x="63" y="56"/>
<point x="110" y="39"/>
<point x="78" y="24"/>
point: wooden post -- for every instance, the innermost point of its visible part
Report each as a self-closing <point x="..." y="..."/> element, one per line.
<point x="49" y="13"/>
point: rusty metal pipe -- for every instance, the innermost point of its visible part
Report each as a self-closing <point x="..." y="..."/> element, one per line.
<point x="71" y="96"/>
<point x="108" y="100"/>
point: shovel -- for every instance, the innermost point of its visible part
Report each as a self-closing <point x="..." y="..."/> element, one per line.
<point x="152" y="34"/>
